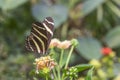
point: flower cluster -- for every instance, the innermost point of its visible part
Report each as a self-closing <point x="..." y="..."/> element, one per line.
<point x="72" y="72"/>
<point x="60" y="44"/>
<point x="43" y="63"/>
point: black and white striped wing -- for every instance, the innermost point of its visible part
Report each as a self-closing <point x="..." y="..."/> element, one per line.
<point x="39" y="39"/>
<point x="49" y="26"/>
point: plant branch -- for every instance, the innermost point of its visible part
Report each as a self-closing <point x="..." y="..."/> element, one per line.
<point x="68" y="59"/>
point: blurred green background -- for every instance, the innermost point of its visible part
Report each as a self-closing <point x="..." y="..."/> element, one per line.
<point x="95" y="23"/>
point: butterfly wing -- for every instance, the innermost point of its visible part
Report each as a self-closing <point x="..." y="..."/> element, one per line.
<point x="37" y="40"/>
<point x="49" y="26"/>
<point x="40" y="36"/>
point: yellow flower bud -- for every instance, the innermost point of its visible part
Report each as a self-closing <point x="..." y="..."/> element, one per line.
<point x="112" y="54"/>
<point x="101" y="73"/>
<point x="95" y="63"/>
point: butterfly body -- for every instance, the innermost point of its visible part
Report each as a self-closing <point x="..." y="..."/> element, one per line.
<point x="41" y="33"/>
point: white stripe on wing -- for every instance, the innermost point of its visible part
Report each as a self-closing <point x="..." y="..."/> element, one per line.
<point x="49" y="22"/>
<point x="47" y="28"/>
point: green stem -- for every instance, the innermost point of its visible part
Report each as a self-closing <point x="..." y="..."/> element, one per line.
<point x="59" y="66"/>
<point x="71" y="78"/>
<point x="55" y="74"/>
<point x="68" y="58"/>
<point x="63" y="76"/>
<point x="61" y="56"/>
<point x="51" y="51"/>
<point x="58" y="70"/>
<point x="46" y="77"/>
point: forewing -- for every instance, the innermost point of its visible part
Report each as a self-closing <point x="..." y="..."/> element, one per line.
<point x="49" y="26"/>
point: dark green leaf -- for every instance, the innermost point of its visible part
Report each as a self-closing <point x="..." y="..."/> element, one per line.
<point x="11" y="4"/>
<point x="83" y="67"/>
<point x="112" y="38"/>
<point x="89" y="48"/>
<point x="58" y="12"/>
<point x="90" y="5"/>
<point x="114" y="8"/>
<point x="1" y="3"/>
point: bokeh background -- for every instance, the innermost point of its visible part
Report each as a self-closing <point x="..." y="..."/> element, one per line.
<point x="95" y="23"/>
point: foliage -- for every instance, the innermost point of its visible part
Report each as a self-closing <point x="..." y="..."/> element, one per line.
<point x="89" y="45"/>
<point x="95" y="23"/>
<point x="106" y="69"/>
<point x="41" y="10"/>
<point x="112" y="39"/>
<point x="9" y="4"/>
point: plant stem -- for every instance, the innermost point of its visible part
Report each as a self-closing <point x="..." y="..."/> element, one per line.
<point x="71" y="78"/>
<point x="46" y="77"/>
<point x="63" y="78"/>
<point x="55" y="76"/>
<point x="61" y="56"/>
<point x="58" y="70"/>
<point x="68" y="58"/>
<point x="59" y="66"/>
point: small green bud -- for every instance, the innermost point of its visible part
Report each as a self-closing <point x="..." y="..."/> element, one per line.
<point x="101" y="73"/>
<point x="74" y="42"/>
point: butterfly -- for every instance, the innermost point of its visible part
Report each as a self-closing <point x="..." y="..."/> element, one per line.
<point x="40" y="36"/>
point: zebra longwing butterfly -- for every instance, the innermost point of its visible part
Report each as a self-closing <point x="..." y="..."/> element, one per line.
<point x="41" y="33"/>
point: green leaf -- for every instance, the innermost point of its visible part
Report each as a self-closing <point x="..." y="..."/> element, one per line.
<point x="89" y="74"/>
<point x="91" y="5"/>
<point x="117" y="2"/>
<point x="58" y="12"/>
<point x="11" y="4"/>
<point x="100" y="14"/>
<point x="83" y="67"/>
<point x="1" y="3"/>
<point x="114" y="8"/>
<point x="89" y="48"/>
<point x="112" y="38"/>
